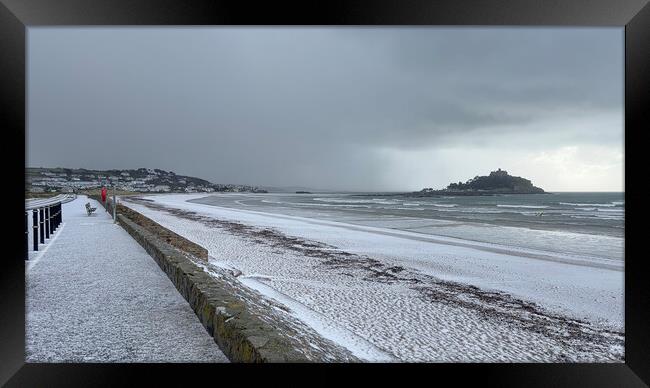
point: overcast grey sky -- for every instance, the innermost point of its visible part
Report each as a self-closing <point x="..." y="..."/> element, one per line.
<point x="332" y="108"/>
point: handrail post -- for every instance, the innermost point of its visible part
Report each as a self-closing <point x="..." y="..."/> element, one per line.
<point x="35" y="228"/>
<point x="56" y="220"/>
<point x="47" y="222"/>
<point x="41" y="224"/>
<point x="26" y="238"/>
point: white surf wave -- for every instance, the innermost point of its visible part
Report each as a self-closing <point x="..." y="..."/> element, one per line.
<point x="525" y="206"/>
<point x="587" y="204"/>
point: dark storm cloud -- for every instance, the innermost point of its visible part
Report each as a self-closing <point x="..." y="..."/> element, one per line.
<point x="307" y="106"/>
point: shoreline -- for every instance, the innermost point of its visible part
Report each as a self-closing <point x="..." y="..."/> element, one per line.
<point x="448" y="240"/>
<point x="597" y="246"/>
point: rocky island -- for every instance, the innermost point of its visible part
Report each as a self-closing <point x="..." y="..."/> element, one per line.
<point x="498" y="182"/>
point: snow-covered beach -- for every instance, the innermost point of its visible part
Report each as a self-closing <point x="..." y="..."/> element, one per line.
<point x="395" y="295"/>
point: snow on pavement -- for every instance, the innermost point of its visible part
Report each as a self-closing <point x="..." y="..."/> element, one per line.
<point x="93" y="294"/>
<point x="414" y="300"/>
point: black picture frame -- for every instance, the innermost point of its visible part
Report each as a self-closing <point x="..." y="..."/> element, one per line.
<point x="16" y="16"/>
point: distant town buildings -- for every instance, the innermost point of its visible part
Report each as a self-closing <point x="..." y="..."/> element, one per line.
<point x="140" y="180"/>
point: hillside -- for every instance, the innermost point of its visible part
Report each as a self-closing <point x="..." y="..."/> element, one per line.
<point x="140" y="180"/>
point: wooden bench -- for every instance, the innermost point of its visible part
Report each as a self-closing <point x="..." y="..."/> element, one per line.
<point x="89" y="209"/>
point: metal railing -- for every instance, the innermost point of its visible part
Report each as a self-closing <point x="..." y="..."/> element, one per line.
<point x="47" y="215"/>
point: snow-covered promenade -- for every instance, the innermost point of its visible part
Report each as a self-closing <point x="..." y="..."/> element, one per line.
<point x="93" y="294"/>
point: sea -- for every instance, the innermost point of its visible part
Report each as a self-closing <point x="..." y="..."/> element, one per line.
<point x="589" y="225"/>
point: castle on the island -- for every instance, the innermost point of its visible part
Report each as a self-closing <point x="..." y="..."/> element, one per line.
<point x="499" y="172"/>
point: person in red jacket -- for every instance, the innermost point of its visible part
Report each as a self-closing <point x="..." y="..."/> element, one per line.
<point x="103" y="194"/>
